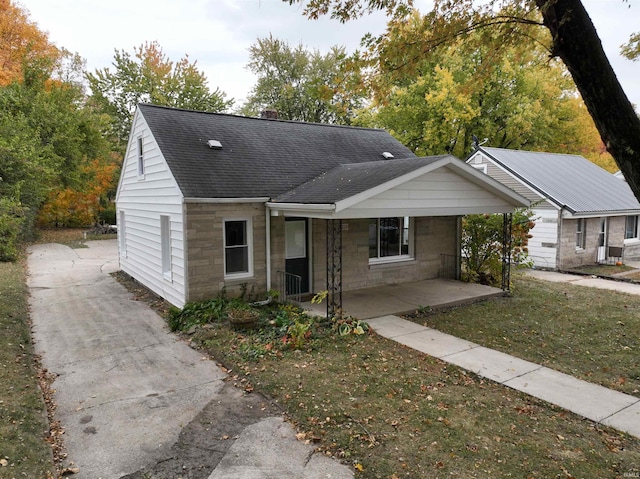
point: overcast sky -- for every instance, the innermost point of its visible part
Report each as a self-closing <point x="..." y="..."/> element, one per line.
<point x="218" y="33"/>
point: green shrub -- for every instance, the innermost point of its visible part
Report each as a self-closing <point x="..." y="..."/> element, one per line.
<point x="197" y="313"/>
<point x="12" y="215"/>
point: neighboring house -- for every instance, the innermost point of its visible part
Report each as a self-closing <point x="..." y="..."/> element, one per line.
<point x="584" y="214"/>
<point x="212" y="202"/>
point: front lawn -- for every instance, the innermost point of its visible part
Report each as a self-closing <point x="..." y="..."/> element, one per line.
<point x="392" y="412"/>
<point x="590" y="333"/>
<point x="23" y="419"/>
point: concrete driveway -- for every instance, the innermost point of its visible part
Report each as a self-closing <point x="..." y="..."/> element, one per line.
<point x="136" y="401"/>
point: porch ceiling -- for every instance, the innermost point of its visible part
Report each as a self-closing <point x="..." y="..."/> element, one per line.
<point x="407" y="297"/>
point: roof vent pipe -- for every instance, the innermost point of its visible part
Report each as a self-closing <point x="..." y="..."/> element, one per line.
<point x="214" y="144"/>
<point x="387" y="155"/>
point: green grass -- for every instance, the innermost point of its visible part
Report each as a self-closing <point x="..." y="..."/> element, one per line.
<point x="603" y="269"/>
<point x="23" y="421"/>
<point x="590" y="333"/>
<point x="396" y="413"/>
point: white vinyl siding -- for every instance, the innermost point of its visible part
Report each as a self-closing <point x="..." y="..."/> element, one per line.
<point x="140" y="144"/>
<point x="443" y="191"/>
<point x="165" y="245"/>
<point x="544" y="242"/>
<point x="122" y="234"/>
<point x="143" y="203"/>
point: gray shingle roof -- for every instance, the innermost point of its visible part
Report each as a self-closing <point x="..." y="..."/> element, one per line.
<point x="569" y="180"/>
<point x="259" y="157"/>
<point x="345" y="181"/>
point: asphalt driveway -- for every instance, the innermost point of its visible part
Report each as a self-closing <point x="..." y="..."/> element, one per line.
<point x="133" y="398"/>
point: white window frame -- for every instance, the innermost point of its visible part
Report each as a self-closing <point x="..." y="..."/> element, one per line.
<point x="165" y="246"/>
<point x="581" y="227"/>
<point x="400" y="257"/>
<point x="249" y="246"/>
<point x="636" y="233"/>
<point x="122" y="232"/>
<point x="140" y="158"/>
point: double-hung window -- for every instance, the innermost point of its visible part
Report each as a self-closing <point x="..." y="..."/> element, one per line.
<point x="390" y="239"/>
<point x="580" y="236"/>
<point x="631" y="227"/>
<point x="238" y="261"/>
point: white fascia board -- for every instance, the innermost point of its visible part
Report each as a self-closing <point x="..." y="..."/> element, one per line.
<point x="263" y="199"/>
<point x="126" y="151"/>
<point x="598" y="214"/>
<point x="301" y="209"/>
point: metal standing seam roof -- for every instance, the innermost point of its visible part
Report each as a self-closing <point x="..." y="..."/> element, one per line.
<point x="570" y="181"/>
<point x="259" y="157"/>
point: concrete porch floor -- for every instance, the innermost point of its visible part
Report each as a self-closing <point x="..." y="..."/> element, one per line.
<point x="406" y="297"/>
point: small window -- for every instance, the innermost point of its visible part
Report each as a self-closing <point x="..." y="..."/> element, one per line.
<point x="580" y="236"/>
<point x="389" y="239"/>
<point x="140" y="158"/>
<point x="165" y="245"/>
<point x="631" y="227"/>
<point x="237" y="248"/>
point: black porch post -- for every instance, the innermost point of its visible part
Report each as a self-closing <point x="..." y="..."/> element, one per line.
<point x="507" y="226"/>
<point x="334" y="268"/>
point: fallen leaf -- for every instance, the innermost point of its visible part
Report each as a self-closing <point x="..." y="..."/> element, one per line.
<point x="4" y="462"/>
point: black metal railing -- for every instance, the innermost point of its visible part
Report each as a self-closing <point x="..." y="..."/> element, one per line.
<point x="290" y="287"/>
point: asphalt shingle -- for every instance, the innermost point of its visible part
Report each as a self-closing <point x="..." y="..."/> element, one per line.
<point x="259" y="157"/>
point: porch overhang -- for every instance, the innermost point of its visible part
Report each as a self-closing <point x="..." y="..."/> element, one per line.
<point x="440" y="186"/>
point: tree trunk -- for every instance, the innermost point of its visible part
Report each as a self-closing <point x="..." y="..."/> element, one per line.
<point x="576" y="42"/>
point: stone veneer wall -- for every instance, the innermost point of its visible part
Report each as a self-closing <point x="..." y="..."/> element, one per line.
<point x="570" y="257"/>
<point x="433" y="236"/>
<point x="205" y="249"/>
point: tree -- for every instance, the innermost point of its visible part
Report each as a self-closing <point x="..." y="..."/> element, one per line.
<point x="482" y="245"/>
<point x="515" y="97"/>
<point x="20" y="41"/>
<point x="149" y="76"/>
<point x="301" y="85"/>
<point x="572" y="38"/>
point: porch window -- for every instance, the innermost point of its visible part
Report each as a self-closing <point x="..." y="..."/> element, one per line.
<point x="390" y="239"/>
<point x="237" y="248"/>
<point x="580" y="237"/>
<point x="631" y="227"/>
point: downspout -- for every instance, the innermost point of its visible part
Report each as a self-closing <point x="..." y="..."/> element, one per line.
<point x="267" y="213"/>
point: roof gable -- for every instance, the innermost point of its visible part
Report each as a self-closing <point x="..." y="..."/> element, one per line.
<point x="258" y="157"/>
<point x="570" y="181"/>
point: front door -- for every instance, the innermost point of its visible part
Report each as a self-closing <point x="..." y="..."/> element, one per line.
<point x="297" y="253"/>
<point x="603" y="240"/>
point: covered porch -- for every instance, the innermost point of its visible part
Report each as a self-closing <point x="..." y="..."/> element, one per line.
<point x="403" y="298"/>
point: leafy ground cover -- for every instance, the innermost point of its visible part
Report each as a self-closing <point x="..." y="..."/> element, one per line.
<point x="393" y="412"/>
<point x="590" y="333"/>
<point x="23" y="420"/>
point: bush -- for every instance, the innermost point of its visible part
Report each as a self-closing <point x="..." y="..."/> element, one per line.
<point x="12" y="215"/>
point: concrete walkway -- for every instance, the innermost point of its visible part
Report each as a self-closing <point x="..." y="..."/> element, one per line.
<point x="602" y="405"/>
<point x="128" y="391"/>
